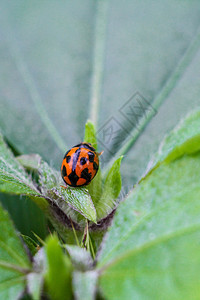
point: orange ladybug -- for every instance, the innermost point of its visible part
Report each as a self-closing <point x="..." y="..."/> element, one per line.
<point x="80" y="165"/>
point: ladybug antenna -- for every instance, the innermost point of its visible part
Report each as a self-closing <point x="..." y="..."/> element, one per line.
<point x="100" y="153"/>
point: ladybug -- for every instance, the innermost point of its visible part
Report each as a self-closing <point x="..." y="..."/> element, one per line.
<point x="80" y="165"/>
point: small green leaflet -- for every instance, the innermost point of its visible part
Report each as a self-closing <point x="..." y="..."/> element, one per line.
<point x="90" y="134"/>
<point x="184" y="139"/>
<point x="95" y="186"/>
<point x="77" y="198"/>
<point x="111" y="190"/>
<point x="59" y="268"/>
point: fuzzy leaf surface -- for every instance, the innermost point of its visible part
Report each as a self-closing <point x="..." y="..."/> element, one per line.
<point x="152" y="247"/>
<point x="77" y="198"/>
<point x="111" y="190"/>
<point x="184" y="139"/>
<point x="13" y="178"/>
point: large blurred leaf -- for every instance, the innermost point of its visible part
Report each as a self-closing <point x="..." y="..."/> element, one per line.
<point x="155" y="237"/>
<point x="26" y="215"/>
<point x="160" y="54"/>
<point x="14" y="262"/>
<point x="41" y="39"/>
<point x="53" y="54"/>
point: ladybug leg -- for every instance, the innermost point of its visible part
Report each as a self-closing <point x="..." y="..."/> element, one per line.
<point x="64" y="186"/>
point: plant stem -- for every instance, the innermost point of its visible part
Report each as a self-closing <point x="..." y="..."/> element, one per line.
<point x="91" y="248"/>
<point x="75" y="235"/>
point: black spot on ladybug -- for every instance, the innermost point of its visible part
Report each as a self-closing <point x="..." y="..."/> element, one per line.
<point x="75" y="159"/>
<point x="68" y="158"/>
<point x="95" y="166"/>
<point x="83" y="160"/>
<point x="86" y="175"/>
<point x="73" y="178"/>
<point x="64" y="171"/>
<point x="91" y="156"/>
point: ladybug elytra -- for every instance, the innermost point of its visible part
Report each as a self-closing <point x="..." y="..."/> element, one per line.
<point x="80" y="165"/>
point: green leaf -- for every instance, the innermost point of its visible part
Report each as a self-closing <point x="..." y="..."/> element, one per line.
<point x="111" y="190"/>
<point x="152" y="247"/>
<point x="175" y="85"/>
<point x="26" y="215"/>
<point x="47" y="130"/>
<point x="31" y="244"/>
<point x="90" y="134"/>
<point x="14" y="261"/>
<point x="184" y="139"/>
<point x="48" y="177"/>
<point x="76" y="198"/>
<point x="84" y="285"/>
<point x="95" y="187"/>
<point x="13" y="178"/>
<point x="58" y="275"/>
